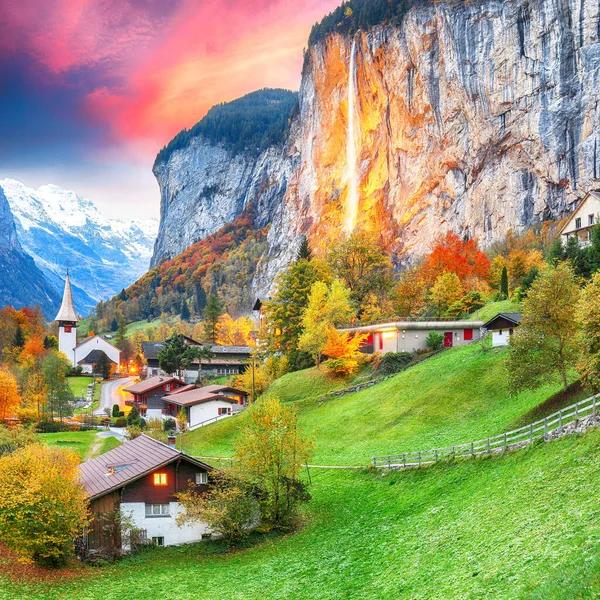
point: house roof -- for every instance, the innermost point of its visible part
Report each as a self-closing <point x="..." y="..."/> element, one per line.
<point x="66" y="312"/>
<point x="128" y="462"/>
<point x="513" y="317"/>
<point x="259" y="302"/>
<point x="184" y="388"/>
<point x="94" y="357"/>
<point x="152" y="383"/>
<point x="151" y="350"/>
<point x="595" y="194"/>
<point x="203" y="394"/>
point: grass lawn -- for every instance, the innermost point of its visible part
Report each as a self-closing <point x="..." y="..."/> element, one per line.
<point x="79" y="441"/>
<point x="490" y="310"/>
<point x="456" y="396"/>
<point x="108" y="444"/>
<point x="79" y="385"/>
<point x="525" y="525"/>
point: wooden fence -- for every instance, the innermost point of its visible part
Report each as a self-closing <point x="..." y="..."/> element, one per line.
<point x="499" y="443"/>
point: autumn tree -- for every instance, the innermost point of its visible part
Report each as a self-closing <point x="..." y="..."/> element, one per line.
<point x="234" y="332"/>
<point x="327" y="307"/>
<point x="269" y="454"/>
<point x="228" y="507"/>
<point x="409" y="297"/>
<point x="545" y="343"/>
<point x="42" y="506"/>
<point x="363" y="266"/>
<point x="342" y="350"/>
<point x="446" y="290"/>
<point x="588" y="316"/>
<point x="56" y="367"/>
<point x="10" y="399"/>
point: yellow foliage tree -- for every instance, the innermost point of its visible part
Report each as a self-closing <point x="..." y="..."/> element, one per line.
<point x="588" y="316"/>
<point x="446" y="290"/>
<point x="236" y="332"/>
<point x="42" y="505"/>
<point x="342" y="351"/>
<point x="10" y="399"/>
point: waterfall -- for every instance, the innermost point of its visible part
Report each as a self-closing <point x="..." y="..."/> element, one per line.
<point x="351" y="167"/>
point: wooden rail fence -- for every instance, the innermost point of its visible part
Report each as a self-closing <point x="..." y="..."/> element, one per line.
<point x="498" y="443"/>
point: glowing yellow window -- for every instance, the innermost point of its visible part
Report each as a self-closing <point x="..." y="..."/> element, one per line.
<point x="160" y="479"/>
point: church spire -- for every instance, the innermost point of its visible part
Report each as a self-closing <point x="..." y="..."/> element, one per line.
<point x="67" y="310"/>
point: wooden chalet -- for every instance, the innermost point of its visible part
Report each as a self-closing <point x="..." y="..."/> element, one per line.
<point x="141" y="478"/>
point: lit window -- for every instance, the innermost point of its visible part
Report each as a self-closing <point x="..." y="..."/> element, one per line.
<point x="160" y="479"/>
<point x="201" y="478"/>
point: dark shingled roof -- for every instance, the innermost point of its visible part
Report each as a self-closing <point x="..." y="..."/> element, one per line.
<point x="203" y="394"/>
<point x="129" y="462"/>
<point x="512" y="317"/>
<point x="151" y="350"/>
<point x="93" y="358"/>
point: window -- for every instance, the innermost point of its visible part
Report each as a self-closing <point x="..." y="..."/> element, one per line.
<point x="160" y="479"/>
<point x="590" y="219"/>
<point x="158" y="541"/>
<point x="578" y="223"/>
<point x="468" y="334"/>
<point x="201" y="478"/>
<point x="157" y="510"/>
<point x="167" y="387"/>
<point x="224" y="410"/>
<point x="500" y="332"/>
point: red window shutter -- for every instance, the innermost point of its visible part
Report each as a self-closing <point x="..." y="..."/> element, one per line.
<point x="381" y="341"/>
<point x="468" y="334"/>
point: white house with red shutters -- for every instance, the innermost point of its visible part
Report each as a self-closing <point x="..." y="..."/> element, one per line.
<point x="411" y="336"/>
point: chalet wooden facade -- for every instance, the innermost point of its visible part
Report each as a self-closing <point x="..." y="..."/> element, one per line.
<point x="141" y="478"/>
<point x="148" y="394"/>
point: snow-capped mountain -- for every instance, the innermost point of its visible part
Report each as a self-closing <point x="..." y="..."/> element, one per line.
<point x="59" y="228"/>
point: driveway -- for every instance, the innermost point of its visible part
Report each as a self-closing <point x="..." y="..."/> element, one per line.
<point x="112" y="393"/>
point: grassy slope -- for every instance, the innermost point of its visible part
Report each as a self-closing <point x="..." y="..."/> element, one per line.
<point x="490" y="310"/>
<point x="79" y="385"/>
<point x="453" y="397"/>
<point x="525" y="525"/>
<point x="78" y="441"/>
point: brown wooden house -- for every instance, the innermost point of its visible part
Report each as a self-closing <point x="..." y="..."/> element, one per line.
<point x="148" y="394"/>
<point x="140" y="478"/>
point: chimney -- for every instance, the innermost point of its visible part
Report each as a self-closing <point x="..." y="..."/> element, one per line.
<point x="172" y="440"/>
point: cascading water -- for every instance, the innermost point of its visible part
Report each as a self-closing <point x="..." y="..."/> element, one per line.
<point x="351" y="167"/>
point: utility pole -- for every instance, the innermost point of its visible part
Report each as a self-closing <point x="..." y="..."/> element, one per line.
<point x="253" y="378"/>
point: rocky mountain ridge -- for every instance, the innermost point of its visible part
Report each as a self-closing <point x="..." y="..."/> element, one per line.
<point x="477" y="117"/>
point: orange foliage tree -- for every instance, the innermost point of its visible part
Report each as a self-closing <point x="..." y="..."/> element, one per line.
<point x="10" y="399"/>
<point x="342" y="350"/>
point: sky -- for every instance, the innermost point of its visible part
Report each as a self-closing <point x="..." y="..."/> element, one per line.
<point x="90" y="90"/>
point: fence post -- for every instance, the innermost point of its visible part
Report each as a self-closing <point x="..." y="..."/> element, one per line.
<point x="472" y="451"/>
<point x="389" y="462"/>
<point x="436" y="455"/>
<point x="419" y="458"/>
<point x="404" y="460"/>
<point x="531" y="433"/>
<point x="560" y="421"/>
<point x="453" y="451"/>
<point x="576" y="414"/>
<point x="594" y="406"/>
<point x="545" y="427"/>
<point x="374" y="462"/>
<point x="488" y="445"/>
<point x="505" y="441"/>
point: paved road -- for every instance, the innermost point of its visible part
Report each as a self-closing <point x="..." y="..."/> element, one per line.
<point x="112" y="393"/>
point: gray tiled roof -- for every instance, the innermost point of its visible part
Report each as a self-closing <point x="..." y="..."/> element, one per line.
<point x="130" y="461"/>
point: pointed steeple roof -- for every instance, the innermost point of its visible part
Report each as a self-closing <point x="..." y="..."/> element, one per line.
<point x="67" y="310"/>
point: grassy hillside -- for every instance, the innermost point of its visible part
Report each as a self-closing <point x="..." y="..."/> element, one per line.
<point x="86" y="443"/>
<point x="524" y="525"/>
<point x="490" y="310"/>
<point x="458" y="395"/>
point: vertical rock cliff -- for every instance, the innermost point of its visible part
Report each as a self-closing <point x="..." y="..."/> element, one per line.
<point x="478" y="118"/>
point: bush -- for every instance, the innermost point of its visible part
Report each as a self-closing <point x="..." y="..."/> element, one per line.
<point x="169" y="425"/>
<point x="115" y="410"/>
<point x="120" y="414"/>
<point x="394" y="362"/>
<point x="52" y="427"/>
<point x="120" y="422"/>
<point x="341" y="367"/>
<point x="435" y="340"/>
<point x="133" y="418"/>
<point x="299" y="360"/>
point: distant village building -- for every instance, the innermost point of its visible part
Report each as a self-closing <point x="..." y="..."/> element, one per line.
<point x="411" y="336"/>
<point x="163" y="397"/>
<point x="89" y="352"/>
<point x="227" y="360"/>
<point x="502" y="326"/>
<point x="140" y="478"/>
<point x="582" y="221"/>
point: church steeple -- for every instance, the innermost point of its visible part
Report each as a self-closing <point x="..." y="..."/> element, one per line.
<point x="67" y="312"/>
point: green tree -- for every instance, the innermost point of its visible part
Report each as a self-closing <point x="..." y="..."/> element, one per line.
<point x="51" y="342"/>
<point x="185" y="311"/>
<point x="504" y="284"/>
<point x="121" y="331"/>
<point x="285" y="311"/>
<point x="304" y="252"/>
<point x="203" y="354"/>
<point x="176" y="356"/>
<point x="103" y="366"/>
<point x="327" y="307"/>
<point x="115" y="410"/>
<point x="545" y="343"/>
<point x="269" y="453"/>
<point x="212" y="312"/>
<point x="56" y="367"/>
<point x="576" y="256"/>
<point x="19" y="339"/>
<point x="557" y="252"/>
<point x="364" y="267"/>
<point x="133" y="418"/>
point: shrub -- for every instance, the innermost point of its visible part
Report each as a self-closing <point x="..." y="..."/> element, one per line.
<point x="393" y="362"/>
<point x="169" y="425"/>
<point x="435" y="340"/>
<point x="341" y="367"/>
<point x="115" y="410"/>
<point x="133" y="418"/>
<point x="121" y="414"/>
<point x="120" y="422"/>
<point x="52" y="427"/>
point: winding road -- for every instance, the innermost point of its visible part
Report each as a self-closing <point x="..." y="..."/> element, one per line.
<point x="112" y="393"/>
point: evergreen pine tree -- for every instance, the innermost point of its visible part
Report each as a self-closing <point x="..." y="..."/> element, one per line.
<point x="557" y="252"/>
<point x="133" y="418"/>
<point x="185" y="311"/>
<point x="304" y="252"/>
<point x="19" y="339"/>
<point x="504" y="283"/>
<point x="115" y="410"/>
<point x="212" y="312"/>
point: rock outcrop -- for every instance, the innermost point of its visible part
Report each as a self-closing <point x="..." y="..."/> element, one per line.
<point x="478" y="117"/>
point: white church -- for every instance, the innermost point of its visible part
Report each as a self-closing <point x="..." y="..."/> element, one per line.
<point x="87" y="353"/>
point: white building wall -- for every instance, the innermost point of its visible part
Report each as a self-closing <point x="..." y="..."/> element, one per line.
<point x="208" y="410"/>
<point x="164" y="526"/>
<point x="410" y="340"/>
<point x="97" y="343"/>
<point x="501" y="337"/>
<point x="67" y="342"/>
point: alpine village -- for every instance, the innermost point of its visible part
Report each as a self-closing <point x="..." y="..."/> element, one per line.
<point x="348" y="348"/>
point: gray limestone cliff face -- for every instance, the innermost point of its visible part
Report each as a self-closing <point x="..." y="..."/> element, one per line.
<point x="205" y="186"/>
<point x="478" y="118"/>
<point x="8" y="231"/>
